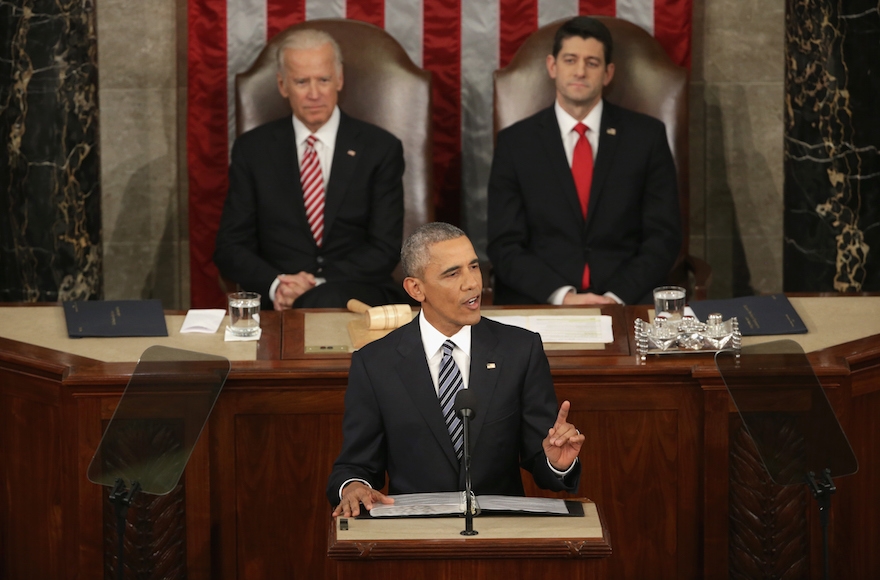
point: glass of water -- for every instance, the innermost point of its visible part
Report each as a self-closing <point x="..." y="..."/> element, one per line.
<point x="669" y="302"/>
<point x="244" y="313"/>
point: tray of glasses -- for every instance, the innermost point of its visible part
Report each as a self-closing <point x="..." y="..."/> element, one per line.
<point x="687" y="335"/>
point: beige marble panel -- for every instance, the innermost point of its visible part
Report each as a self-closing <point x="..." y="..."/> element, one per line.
<point x="138" y="163"/>
<point x="698" y="40"/>
<point x="744" y="179"/>
<point x="145" y="270"/>
<point x="736" y="142"/>
<point x="137" y="44"/>
<point x="744" y="40"/>
<point x="142" y="98"/>
<point x="697" y="152"/>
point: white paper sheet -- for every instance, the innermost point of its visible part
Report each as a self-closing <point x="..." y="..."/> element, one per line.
<point x="204" y="320"/>
<point x="559" y="328"/>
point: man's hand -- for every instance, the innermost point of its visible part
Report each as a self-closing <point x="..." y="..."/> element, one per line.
<point x="356" y="493"/>
<point x="291" y="287"/>
<point x="563" y="441"/>
<point x="586" y="298"/>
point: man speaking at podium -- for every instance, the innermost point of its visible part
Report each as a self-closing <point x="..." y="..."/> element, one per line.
<point x="398" y="405"/>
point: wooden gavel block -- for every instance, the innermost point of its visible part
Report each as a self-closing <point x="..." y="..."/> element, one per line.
<point x="382" y="317"/>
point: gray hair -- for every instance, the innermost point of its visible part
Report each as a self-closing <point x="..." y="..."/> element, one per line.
<point x="306" y="39"/>
<point x="415" y="253"/>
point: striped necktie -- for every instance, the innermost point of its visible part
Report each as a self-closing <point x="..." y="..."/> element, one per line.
<point x="313" y="189"/>
<point x="450" y="382"/>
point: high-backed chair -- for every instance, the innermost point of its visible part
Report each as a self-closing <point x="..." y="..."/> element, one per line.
<point x="645" y="80"/>
<point x="381" y="86"/>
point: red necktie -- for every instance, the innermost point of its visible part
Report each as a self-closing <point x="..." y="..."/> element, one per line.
<point x="313" y="189"/>
<point x="582" y="171"/>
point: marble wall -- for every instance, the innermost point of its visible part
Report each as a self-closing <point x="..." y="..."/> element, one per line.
<point x="50" y="194"/>
<point x="142" y="57"/>
<point x="736" y="143"/>
<point x="737" y="135"/>
<point x="832" y="135"/>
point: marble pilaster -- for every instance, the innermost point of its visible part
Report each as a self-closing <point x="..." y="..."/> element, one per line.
<point x="50" y="230"/>
<point x="736" y="144"/>
<point x="832" y="135"/>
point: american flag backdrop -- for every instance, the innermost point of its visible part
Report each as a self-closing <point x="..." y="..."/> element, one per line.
<point x="460" y="41"/>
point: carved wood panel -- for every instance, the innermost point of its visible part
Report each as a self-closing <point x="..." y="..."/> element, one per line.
<point x="769" y="529"/>
<point x="155" y="534"/>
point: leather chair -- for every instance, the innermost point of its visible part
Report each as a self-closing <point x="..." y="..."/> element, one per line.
<point x="382" y="86"/>
<point x="645" y="80"/>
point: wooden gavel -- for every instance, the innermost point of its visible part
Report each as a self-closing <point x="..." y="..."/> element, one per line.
<point x="382" y="317"/>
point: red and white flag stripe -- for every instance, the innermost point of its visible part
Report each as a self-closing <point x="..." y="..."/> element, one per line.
<point x="460" y="41"/>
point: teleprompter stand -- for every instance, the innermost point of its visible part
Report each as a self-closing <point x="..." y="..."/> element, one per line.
<point x="171" y="392"/>
<point x="786" y="413"/>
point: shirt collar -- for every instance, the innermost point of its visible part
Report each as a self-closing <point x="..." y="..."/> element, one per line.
<point x="433" y="339"/>
<point x="567" y="122"/>
<point x="326" y="133"/>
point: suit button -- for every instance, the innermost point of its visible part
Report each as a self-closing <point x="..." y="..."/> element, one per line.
<point x="320" y="260"/>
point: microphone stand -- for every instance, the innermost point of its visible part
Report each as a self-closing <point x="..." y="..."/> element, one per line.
<point x="466" y="462"/>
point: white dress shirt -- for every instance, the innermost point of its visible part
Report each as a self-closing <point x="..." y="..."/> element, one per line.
<point x="432" y="341"/>
<point x="570" y="137"/>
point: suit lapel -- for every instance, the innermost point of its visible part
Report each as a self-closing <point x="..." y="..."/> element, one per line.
<point x="345" y="157"/>
<point x="607" y="149"/>
<point x="414" y="374"/>
<point x="485" y="366"/>
<point x="287" y="162"/>
<point x="559" y="168"/>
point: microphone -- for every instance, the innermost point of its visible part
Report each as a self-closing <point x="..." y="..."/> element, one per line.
<point x="465" y="407"/>
<point x="466" y="404"/>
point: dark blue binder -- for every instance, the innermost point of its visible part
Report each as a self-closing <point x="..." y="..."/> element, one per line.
<point x="757" y="315"/>
<point x="93" y="318"/>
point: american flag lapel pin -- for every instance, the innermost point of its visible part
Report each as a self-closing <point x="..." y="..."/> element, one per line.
<point x="490" y="365"/>
<point x="351" y="153"/>
<point x="611" y="131"/>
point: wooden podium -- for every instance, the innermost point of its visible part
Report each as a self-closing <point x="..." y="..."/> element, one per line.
<point x="507" y="546"/>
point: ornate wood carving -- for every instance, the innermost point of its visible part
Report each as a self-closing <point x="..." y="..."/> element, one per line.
<point x="155" y="535"/>
<point x="768" y="534"/>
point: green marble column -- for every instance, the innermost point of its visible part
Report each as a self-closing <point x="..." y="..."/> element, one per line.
<point x="832" y="137"/>
<point x="50" y="221"/>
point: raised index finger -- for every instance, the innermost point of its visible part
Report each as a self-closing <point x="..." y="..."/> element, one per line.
<point x="562" y="416"/>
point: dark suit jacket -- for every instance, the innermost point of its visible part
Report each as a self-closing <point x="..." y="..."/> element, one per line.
<point x="393" y="421"/>
<point x="538" y="239"/>
<point x="264" y="231"/>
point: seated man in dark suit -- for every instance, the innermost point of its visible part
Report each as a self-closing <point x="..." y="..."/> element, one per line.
<point x="583" y="200"/>
<point x="314" y="213"/>
<point x="398" y="405"/>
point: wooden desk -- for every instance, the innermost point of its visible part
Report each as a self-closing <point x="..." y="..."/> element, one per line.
<point x="506" y="547"/>
<point x="666" y="458"/>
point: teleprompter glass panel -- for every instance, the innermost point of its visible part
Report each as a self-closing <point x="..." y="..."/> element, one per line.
<point x="159" y="419"/>
<point x="786" y="411"/>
